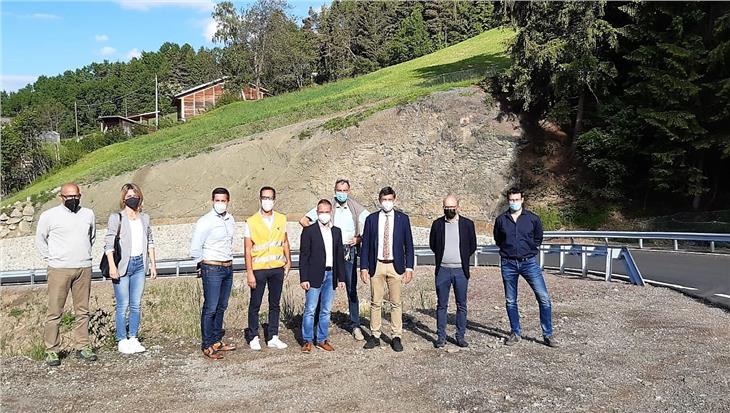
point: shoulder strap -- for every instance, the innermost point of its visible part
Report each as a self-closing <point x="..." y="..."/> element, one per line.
<point x="119" y="227"/>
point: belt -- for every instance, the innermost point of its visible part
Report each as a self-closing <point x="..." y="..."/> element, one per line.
<point x="521" y="259"/>
<point x="386" y="261"/>
<point x="328" y="268"/>
<point x="218" y="263"/>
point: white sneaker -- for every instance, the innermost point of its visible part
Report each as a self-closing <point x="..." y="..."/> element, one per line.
<point x="125" y="347"/>
<point x="255" y="344"/>
<point x="357" y="333"/>
<point x="135" y="345"/>
<point x="276" y="343"/>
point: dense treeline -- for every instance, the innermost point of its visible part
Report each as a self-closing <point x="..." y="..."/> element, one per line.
<point x="260" y="44"/>
<point x="643" y="88"/>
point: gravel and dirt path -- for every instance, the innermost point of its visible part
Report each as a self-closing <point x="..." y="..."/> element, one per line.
<point x="624" y="349"/>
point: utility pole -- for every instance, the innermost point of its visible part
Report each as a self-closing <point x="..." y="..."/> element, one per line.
<point x="76" y="116"/>
<point x="157" y="107"/>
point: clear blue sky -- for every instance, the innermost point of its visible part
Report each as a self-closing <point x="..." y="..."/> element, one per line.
<point x="50" y="37"/>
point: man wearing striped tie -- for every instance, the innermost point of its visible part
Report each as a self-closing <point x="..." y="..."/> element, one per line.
<point x="387" y="258"/>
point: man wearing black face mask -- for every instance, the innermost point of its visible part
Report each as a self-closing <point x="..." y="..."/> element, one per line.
<point x="64" y="238"/>
<point x="453" y="240"/>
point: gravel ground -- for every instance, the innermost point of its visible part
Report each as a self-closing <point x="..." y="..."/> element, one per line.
<point x="624" y="349"/>
<point x="171" y="242"/>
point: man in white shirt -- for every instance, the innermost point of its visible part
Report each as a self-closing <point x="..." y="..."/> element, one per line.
<point x="212" y="248"/>
<point x="64" y="237"/>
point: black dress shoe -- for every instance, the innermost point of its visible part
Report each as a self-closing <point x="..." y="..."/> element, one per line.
<point x="461" y="343"/>
<point x="396" y="345"/>
<point x="372" y="342"/>
<point x="440" y="343"/>
<point x="550" y="341"/>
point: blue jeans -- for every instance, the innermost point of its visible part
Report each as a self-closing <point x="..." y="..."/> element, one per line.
<point x="128" y="291"/>
<point x="217" y="284"/>
<point x="445" y="278"/>
<point x="530" y="270"/>
<point x="325" y="294"/>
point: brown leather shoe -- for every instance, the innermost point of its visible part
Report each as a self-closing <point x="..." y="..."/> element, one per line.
<point x="212" y="354"/>
<point x="307" y="347"/>
<point x="220" y="346"/>
<point x="325" y="346"/>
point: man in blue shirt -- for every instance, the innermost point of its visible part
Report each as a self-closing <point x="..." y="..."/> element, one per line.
<point x="518" y="234"/>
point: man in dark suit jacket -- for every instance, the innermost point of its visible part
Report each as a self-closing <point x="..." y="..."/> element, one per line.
<point x="453" y="240"/>
<point x="387" y="258"/>
<point x="321" y="271"/>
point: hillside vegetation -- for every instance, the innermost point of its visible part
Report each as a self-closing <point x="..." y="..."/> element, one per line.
<point x="458" y="65"/>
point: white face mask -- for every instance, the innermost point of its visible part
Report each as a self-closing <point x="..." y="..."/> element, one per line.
<point x="267" y="205"/>
<point x="324" y="218"/>
<point x="387" y="205"/>
<point x="220" y="207"/>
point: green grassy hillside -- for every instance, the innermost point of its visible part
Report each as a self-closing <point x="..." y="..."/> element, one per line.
<point x="458" y="65"/>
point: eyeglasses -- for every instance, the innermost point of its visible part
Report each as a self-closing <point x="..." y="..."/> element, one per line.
<point x="71" y="196"/>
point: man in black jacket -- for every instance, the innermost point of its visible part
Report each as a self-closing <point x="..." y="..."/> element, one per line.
<point x="518" y="234"/>
<point x="321" y="271"/>
<point x="453" y="240"/>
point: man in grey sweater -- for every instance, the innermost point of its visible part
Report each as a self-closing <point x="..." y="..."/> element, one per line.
<point x="64" y="238"/>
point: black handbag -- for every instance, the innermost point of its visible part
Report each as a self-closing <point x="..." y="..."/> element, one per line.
<point x="117" y="254"/>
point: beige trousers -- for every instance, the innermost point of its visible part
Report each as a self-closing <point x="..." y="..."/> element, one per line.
<point x="60" y="281"/>
<point x="385" y="275"/>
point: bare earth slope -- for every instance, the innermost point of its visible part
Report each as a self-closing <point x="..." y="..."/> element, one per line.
<point x="624" y="349"/>
<point x="447" y="141"/>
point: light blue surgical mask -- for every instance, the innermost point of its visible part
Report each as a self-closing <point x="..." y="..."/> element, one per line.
<point x="515" y="206"/>
<point x="341" y="196"/>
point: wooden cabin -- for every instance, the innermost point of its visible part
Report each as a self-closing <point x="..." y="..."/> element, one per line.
<point x="198" y="99"/>
<point x="117" y="121"/>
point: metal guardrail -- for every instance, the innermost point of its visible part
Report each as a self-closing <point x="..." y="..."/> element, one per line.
<point x="712" y="238"/>
<point x="182" y="267"/>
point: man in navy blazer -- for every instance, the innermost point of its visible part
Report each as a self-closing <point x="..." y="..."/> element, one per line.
<point x="453" y="240"/>
<point x="321" y="271"/>
<point x="387" y="258"/>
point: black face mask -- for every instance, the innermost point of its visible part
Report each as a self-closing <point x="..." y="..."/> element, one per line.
<point x="449" y="213"/>
<point x="72" y="204"/>
<point x="132" y="203"/>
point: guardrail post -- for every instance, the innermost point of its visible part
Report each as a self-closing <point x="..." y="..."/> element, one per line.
<point x="641" y="243"/>
<point x="177" y="269"/>
<point x="712" y="246"/>
<point x="476" y="259"/>
<point x="415" y="260"/>
<point x="562" y="260"/>
<point x="32" y="277"/>
<point x="676" y="245"/>
<point x="542" y="259"/>
<point x="608" y="264"/>
<point x="583" y="266"/>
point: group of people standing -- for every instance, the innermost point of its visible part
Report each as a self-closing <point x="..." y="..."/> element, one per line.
<point x="338" y="232"/>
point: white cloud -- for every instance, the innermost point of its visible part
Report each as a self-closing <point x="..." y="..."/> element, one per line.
<point x="144" y="5"/>
<point x="101" y="38"/>
<point x="45" y="16"/>
<point x="107" y="50"/>
<point x="11" y="83"/>
<point x="209" y="29"/>
<point x="134" y="54"/>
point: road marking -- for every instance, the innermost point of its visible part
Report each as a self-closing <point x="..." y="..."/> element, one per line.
<point x="722" y="295"/>
<point x="670" y="285"/>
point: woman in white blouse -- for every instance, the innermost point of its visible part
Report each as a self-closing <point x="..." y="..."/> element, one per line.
<point x="128" y="276"/>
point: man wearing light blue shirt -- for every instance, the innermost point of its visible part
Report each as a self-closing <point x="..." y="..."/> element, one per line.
<point x="349" y="216"/>
<point x="212" y="248"/>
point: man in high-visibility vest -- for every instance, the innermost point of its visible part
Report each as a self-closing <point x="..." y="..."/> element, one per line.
<point x="268" y="260"/>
